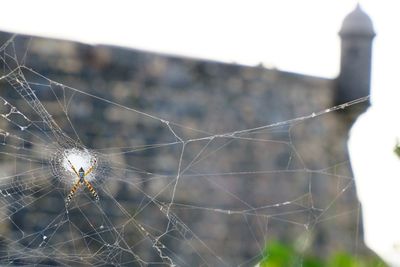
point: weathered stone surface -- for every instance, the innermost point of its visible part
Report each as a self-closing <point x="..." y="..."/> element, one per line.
<point x="289" y="181"/>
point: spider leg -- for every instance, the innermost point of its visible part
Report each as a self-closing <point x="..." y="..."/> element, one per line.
<point x="91" y="189"/>
<point x="72" y="193"/>
<point x="90" y="169"/>
<point x="73" y="168"/>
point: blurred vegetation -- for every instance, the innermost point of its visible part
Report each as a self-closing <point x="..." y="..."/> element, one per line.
<point x="281" y="255"/>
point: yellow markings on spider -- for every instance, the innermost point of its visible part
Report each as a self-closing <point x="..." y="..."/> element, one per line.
<point x="81" y="181"/>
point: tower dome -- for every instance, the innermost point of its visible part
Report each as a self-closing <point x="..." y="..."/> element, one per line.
<point x="357" y="23"/>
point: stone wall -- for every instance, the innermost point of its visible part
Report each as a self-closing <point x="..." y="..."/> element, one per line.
<point x="289" y="181"/>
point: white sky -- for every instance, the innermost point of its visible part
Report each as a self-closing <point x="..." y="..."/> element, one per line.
<point x="297" y="36"/>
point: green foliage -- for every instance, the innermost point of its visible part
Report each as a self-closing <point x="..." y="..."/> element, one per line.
<point x="397" y="149"/>
<point x="280" y="255"/>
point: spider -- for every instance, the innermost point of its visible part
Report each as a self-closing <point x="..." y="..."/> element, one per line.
<point x="81" y="175"/>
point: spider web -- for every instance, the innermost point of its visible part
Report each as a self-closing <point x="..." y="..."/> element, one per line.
<point x="175" y="188"/>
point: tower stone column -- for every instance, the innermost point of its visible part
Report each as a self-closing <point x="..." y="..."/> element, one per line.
<point x="357" y="34"/>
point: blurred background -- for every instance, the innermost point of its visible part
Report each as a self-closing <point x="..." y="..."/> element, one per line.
<point x="299" y="36"/>
<point x="215" y="73"/>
